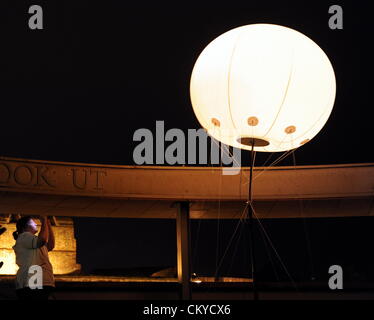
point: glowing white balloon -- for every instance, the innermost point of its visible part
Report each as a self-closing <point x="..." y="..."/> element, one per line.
<point x="266" y="82"/>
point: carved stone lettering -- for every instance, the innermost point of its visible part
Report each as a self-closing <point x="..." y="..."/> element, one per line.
<point x="83" y="182"/>
<point x="42" y="175"/>
<point x="99" y="185"/>
<point x="5" y="173"/>
<point x="23" y="175"/>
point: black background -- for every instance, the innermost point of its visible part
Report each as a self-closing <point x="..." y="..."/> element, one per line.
<point x="78" y="89"/>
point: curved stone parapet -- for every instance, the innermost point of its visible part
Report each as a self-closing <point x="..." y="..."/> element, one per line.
<point x="184" y="183"/>
<point x="77" y="189"/>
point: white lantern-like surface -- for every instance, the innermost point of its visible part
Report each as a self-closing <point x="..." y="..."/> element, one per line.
<point x="264" y="84"/>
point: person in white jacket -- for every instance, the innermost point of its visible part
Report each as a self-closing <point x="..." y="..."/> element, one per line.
<point x="32" y="254"/>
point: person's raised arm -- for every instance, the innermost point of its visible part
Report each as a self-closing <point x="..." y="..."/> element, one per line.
<point x="51" y="239"/>
<point x="44" y="232"/>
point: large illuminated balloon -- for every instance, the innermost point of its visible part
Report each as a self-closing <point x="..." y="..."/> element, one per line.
<point x="264" y="83"/>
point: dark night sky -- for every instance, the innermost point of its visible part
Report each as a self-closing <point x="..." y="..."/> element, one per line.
<point x="77" y="91"/>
